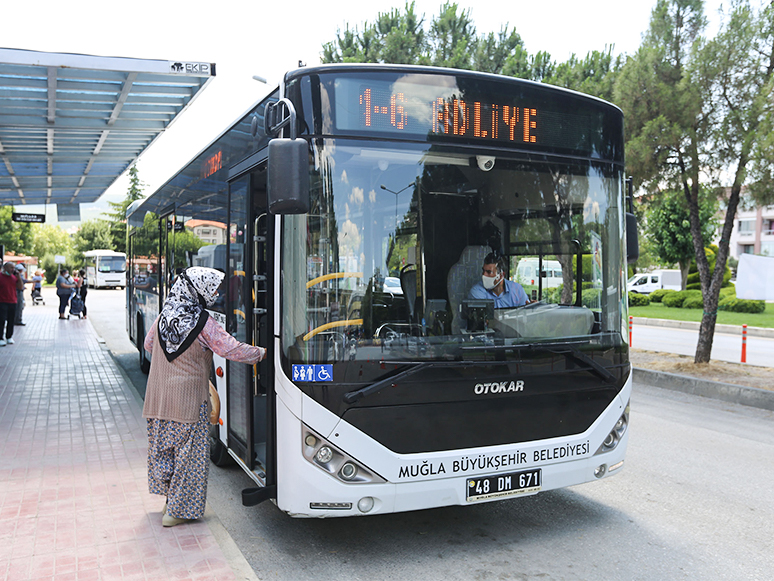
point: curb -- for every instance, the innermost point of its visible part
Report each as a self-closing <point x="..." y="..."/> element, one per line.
<point x="693" y="326"/>
<point x="749" y="396"/>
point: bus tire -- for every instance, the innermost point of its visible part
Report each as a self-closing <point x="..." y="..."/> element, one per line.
<point x="144" y="361"/>
<point x="218" y="453"/>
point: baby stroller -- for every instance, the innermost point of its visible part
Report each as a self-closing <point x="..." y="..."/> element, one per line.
<point x="37" y="298"/>
<point x="76" y="306"/>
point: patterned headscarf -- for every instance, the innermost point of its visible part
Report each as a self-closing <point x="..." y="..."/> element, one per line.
<point x="184" y="316"/>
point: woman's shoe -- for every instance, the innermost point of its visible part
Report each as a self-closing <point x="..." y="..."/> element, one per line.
<point x="170" y="521"/>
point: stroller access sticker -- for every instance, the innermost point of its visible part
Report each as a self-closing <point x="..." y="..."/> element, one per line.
<point x="313" y="372"/>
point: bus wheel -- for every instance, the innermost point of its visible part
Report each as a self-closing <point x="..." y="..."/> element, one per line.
<point x="144" y="362"/>
<point x="218" y="453"/>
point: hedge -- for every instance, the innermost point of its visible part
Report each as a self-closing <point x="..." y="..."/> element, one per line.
<point x="638" y="300"/>
<point x="657" y="295"/>
<point x="736" y="305"/>
<point x="676" y="299"/>
<point x="693" y="303"/>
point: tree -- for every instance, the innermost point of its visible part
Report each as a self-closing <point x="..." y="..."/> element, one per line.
<point x="400" y="37"/>
<point x="696" y="107"/>
<point x="51" y="240"/>
<point x="15" y="236"/>
<point x="452" y="37"/>
<point x="117" y="218"/>
<point x="92" y="235"/>
<point x="594" y="75"/>
<point x="668" y="224"/>
<point x="395" y="37"/>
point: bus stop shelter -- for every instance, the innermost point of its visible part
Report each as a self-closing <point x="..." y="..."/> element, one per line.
<point x="71" y="124"/>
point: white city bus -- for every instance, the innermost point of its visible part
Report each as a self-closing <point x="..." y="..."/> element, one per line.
<point x="105" y="268"/>
<point x="373" y="401"/>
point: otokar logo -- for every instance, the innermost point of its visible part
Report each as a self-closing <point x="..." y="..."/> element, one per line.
<point x="499" y="387"/>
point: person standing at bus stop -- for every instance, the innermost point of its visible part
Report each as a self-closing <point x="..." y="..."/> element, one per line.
<point x="64" y="289"/>
<point x="83" y="289"/>
<point x="21" y="273"/>
<point x="182" y="341"/>
<point x="10" y="283"/>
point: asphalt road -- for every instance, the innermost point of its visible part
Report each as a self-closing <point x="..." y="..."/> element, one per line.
<point x="760" y="350"/>
<point x="694" y="501"/>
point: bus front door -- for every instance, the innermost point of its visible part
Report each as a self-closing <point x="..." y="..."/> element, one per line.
<point x="250" y="396"/>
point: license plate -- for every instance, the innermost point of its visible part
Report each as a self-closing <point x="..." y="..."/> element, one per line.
<point x="503" y="485"/>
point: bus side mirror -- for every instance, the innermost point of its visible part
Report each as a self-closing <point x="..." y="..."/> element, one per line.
<point x="288" y="176"/>
<point x="632" y="237"/>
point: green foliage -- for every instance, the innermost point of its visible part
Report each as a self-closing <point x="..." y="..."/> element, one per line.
<point x="638" y="300"/>
<point x="728" y="291"/>
<point x="657" y="295"/>
<point x="590" y="298"/>
<point x="594" y="75"/>
<point x="117" y="217"/>
<point x="185" y="241"/>
<point x="693" y="303"/>
<point x="676" y="299"/>
<point x="92" y="235"/>
<point x="694" y="283"/>
<point x="450" y="39"/>
<point x="50" y="267"/>
<point x="669" y="228"/>
<point x="736" y="305"/>
<point x="47" y="239"/>
<point x="16" y="236"/>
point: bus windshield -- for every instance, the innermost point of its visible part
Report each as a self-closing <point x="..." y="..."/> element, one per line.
<point x="111" y="264"/>
<point x="394" y="247"/>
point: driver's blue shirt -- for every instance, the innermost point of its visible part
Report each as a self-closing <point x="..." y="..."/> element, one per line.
<point x="513" y="295"/>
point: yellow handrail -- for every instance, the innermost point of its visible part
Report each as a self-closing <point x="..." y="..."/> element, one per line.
<point x="333" y="275"/>
<point x="326" y="326"/>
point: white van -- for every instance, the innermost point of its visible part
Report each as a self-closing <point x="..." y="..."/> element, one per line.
<point x="645" y="283"/>
<point x="527" y="272"/>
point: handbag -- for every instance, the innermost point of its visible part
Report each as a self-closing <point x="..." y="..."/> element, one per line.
<point x="214" y="405"/>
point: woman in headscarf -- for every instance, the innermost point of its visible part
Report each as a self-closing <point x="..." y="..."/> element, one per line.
<point x="182" y="341"/>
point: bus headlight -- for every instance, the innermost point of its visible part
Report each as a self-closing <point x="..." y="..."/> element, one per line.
<point x="330" y="459"/>
<point x="348" y="471"/>
<point x="324" y="455"/>
<point x="365" y="504"/>
<point x="612" y="440"/>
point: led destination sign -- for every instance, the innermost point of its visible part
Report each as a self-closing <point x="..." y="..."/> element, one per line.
<point x="453" y="117"/>
<point x="460" y="108"/>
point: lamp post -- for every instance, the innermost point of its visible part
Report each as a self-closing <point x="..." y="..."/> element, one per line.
<point x="386" y="189"/>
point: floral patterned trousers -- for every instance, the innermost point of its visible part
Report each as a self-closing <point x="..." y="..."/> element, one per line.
<point x="179" y="463"/>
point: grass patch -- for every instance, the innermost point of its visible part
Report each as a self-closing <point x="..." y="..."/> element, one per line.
<point x="660" y="311"/>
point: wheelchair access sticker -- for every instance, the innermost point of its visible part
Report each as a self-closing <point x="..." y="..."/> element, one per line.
<point x="313" y="372"/>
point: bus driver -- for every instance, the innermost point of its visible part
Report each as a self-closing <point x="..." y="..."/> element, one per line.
<point x="494" y="286"/>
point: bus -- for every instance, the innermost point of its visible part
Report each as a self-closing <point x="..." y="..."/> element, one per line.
<point x="105" y="268"/>
<point x="372" y="401"/>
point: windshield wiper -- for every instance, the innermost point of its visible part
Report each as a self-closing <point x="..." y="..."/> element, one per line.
<point x="416" y="366"/>
<point x="567" y="348"/>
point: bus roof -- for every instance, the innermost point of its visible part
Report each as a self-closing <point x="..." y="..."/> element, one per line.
<point x="93" y="253"/>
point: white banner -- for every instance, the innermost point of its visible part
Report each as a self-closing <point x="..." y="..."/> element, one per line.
<point x="755" y="278"/>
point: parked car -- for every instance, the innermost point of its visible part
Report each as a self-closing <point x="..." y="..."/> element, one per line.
<point x="647" y="282"/>
<point x="392" y="284"/>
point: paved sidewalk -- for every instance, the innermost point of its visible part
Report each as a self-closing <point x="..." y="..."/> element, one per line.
<point x="74" y="501"/>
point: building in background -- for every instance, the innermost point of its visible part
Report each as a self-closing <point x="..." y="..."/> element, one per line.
<point x="208" y="232"/>
<point x="753" y="232"/>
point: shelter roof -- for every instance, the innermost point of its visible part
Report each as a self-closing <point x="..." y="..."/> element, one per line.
<point x="71" y="124"/>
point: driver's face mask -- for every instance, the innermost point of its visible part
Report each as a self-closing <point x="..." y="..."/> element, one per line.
<point x="491" y="277"/>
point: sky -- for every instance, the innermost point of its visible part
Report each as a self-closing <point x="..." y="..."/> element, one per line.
<point x="256" y="37"/>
